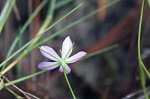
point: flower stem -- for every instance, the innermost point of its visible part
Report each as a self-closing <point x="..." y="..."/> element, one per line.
<point x="68" y="83"/>
<point x="141" y="65"/>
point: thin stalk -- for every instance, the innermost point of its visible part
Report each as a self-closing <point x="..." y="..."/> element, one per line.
<point x="142" y="75"/>
<point x="67" y="81"/>
<point x="18" y="67"/>
<point x="23" y="78"/>
<point x="142" y="78"/>
<point x="13" y="93"/>
<point x="26" y="94"/>
<point x="5" y="13"/>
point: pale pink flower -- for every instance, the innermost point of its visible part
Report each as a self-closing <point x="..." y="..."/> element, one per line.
<point x="67" y="48"/>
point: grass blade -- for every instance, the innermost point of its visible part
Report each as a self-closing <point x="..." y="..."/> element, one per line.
<point x="5" y="13"/>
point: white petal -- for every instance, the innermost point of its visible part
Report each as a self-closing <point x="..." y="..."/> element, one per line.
<point x="48" y="52"/>
<point x="68" y="70"/>
<point x="76" y="57"/>
<point x="48" y="65"/>
<point x="60" y="69"/>
<point x="66" y="47"/>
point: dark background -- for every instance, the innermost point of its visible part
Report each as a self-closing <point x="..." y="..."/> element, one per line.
<point x="110" y="75"/>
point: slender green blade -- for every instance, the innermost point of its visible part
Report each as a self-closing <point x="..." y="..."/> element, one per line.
<point x="141" y="65"/>
<point x="5" y="13"/>
<point x="23" y="78"/>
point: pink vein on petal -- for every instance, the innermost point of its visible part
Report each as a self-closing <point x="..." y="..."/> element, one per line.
<point x="48" y="52"/>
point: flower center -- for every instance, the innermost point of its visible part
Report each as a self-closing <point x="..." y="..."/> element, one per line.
<point x="62" y="62"/>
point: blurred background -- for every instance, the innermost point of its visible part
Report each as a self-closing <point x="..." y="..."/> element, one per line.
<point x="110" y="75"/>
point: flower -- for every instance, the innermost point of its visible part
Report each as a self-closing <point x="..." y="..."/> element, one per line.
<point x="62" y="61"/>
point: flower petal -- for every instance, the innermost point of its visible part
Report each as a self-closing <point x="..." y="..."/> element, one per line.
<point x="68" y="70"/>
<point x="48" y="52"/>
<point x="67" y="47"/>
<point x="76" y="57"/>
<point x="48" y="65"/>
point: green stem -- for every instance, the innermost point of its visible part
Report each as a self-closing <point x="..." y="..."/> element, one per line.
<point x="68" y="83"/>
<point x="23" y="78"/>
<point x="5" y="13"/>
<point x="139" y="41"/>
<point x="139" y="31"/>
<point x="141" y="65"/>
<point x="13" y="93"/>
<point x="142" y="77"/>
